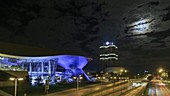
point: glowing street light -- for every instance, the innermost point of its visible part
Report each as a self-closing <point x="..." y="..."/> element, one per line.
<point x="121" y="70"/>
<point x="77" y="80"/>
<point x="160" y="70"/>
<point x="97" y="75"/>
<point x="125" y="71"/>
<point x="16" y="79"/>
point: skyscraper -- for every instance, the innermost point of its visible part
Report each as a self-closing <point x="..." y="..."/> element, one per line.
<point x="108" y="56"/>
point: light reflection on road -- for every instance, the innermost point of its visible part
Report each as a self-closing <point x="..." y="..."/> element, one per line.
<point x="136" y="92"/>
<point x="82" y="91"/>
<point x="158" y="88"/>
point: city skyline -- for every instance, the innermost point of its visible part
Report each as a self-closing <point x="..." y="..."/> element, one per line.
<point x="140" y="29"/>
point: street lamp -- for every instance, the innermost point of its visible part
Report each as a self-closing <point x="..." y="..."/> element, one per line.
<point x="121" y="78"/>
<point x="160" y="70"/>
<point x="97" y="75"/>
<point x="113" y="81"/>
<point x="121" y="71"/>
<point x="102" y="78"/>
<point x="125" y="71"/>
<point x="16" y="79"/>
<point x="77" y="80"/>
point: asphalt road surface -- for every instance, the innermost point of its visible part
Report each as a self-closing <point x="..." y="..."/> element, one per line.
<point x="137" y="91"/>
<point x="158" y="88"/>
<point x="83" y="90"/>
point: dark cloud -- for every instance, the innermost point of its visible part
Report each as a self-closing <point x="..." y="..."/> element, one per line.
<point x="61" y="25"/>
<point x="147" y="33"/>
<point x="140" y="28"/>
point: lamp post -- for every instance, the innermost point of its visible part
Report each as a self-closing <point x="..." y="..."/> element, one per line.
<point x="101" y="80"/>
<point x="121" y="70"/>
<point x="122" y="77"/>
<point x="15" y="80"/>
<point x="77" y="80"/>
<point x="77" y="83"/>
<point x="112" y="81"/>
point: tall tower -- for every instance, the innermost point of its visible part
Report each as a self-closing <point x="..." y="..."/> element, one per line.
<point x="108" y="56"/>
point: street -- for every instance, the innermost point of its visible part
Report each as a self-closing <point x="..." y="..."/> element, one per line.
<point x="158" y="88"/>
<point x="95" y="90"/>
<point x="137" y="91"/>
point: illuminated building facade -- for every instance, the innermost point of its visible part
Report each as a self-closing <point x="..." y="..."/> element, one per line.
<point x="45" y="66"/>
<point x="108" y="56"/>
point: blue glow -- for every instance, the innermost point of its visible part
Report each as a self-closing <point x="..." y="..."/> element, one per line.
<point x="69" y="61"/>
<point x="72" y="63"/>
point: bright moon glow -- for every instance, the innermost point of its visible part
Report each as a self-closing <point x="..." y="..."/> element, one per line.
<point x="140" y="27"/>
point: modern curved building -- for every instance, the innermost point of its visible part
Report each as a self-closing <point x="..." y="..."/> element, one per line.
<point x="43" y="65"/>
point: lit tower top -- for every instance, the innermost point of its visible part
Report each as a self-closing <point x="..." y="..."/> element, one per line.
<point x="108" y="51"/>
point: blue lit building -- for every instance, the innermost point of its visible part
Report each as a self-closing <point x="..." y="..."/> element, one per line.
<point x="45" y="66"/>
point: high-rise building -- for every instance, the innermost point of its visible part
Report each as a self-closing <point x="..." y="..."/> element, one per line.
<point x="108" y="56"/>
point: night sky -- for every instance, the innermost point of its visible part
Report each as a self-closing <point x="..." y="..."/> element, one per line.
<point x="140" y="28"/>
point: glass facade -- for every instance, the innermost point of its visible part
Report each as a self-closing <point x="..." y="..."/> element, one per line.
<point x="43" y="67"/>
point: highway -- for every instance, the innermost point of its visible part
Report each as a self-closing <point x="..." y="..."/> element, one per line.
<point x="158" y="88"/>
<point x="86" y="91"/>
<point x="137" y="91"/>
<point x="114" y="91"/>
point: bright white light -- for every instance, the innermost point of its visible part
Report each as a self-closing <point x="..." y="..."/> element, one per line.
<point x="2" y="58"/>
<point x="107" y="43"/>
<point x="160" y="70"/>
<point x="20" y="79"/>
<point x="107" y="46"/>
<point x="140" y="27"/>
<point x="160" y="84"/>
<point x="11" y="78"/>
<point x="33" y="82"/>
<point x="81" y="77"/>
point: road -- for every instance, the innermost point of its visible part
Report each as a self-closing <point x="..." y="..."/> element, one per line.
<point x="158" y="88"/>
<point x="84" y="90"/>
<point x="137" y="91"/>
<point x="114" y="91"/>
